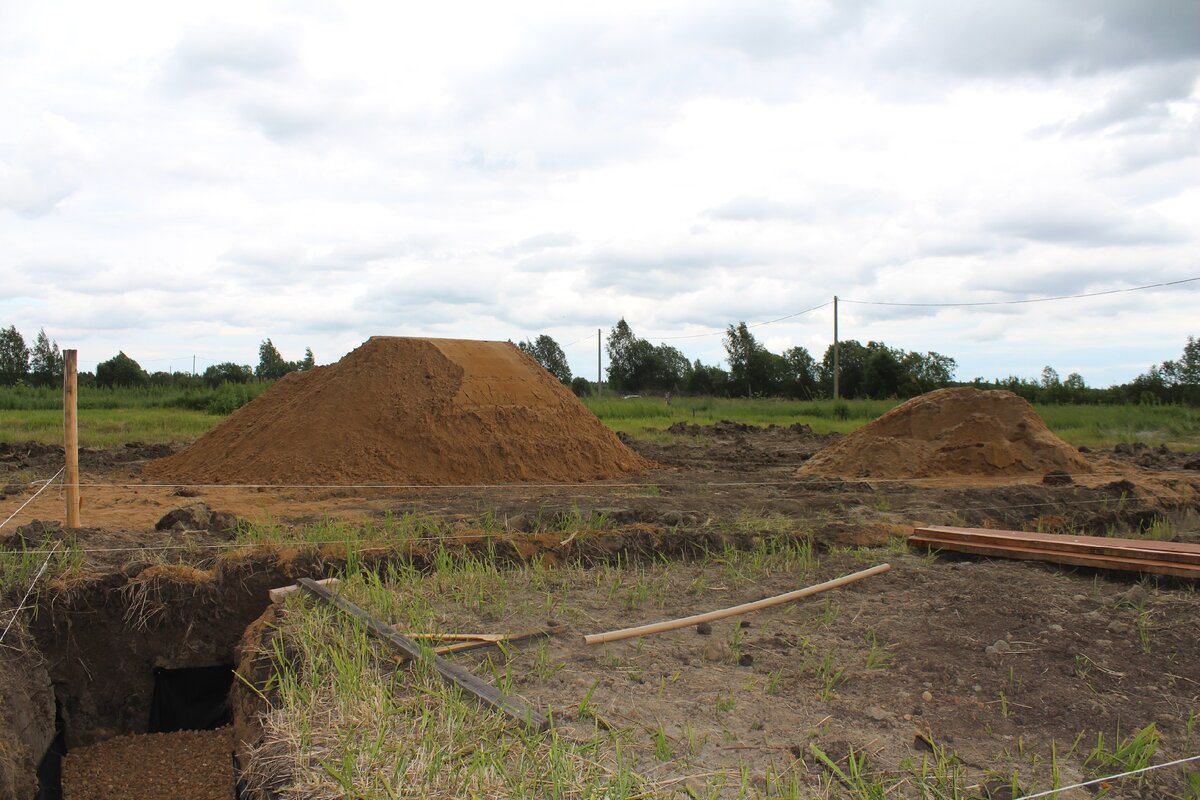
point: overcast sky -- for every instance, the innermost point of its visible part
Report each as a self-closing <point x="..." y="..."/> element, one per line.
<point x="180" y="179"/>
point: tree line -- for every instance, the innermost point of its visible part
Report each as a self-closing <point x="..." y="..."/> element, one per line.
<point x="635" y="365"/>
<point x="42" y="366"/>
<point x="866" y="371"/>
<point x="1174" y="381"/>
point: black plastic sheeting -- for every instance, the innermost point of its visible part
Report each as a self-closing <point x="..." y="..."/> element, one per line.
<point x="191" y="699"/>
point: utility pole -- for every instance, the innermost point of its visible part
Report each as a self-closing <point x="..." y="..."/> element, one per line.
<point x="836" y="366"/>
<point x="193" y="365"/>
<point x="598" y="372"/>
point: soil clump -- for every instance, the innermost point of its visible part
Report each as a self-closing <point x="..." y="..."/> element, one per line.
<point x="188" y="765"/>
<point x="951" y="432"/>
<point x="409" y="411"/>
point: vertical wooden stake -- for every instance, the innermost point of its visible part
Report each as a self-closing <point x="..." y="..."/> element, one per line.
<point x="71" y="434"/>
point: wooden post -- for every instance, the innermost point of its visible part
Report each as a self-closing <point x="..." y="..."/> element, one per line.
<point x="71" y="434"/>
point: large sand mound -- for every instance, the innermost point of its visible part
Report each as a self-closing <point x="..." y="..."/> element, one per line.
<point x="408" y="411"/>
<point x="950" y="432"/>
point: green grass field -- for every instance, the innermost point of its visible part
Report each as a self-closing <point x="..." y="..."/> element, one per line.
<point x="1177" y="427"/>
<point x="643" y="417"/>
<point x="106" y="420"/>
<point x="108" y="427"/>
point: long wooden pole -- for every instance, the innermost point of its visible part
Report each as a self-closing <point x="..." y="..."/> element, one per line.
<point x="71" y="433"/>
<point x="744" y="608"/>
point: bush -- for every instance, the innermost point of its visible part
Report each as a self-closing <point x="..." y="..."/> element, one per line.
<point x="121" y="370"/>
<point x="581" y="386"/>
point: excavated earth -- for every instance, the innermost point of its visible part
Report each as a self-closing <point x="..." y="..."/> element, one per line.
<point x="951" y="432"/>
<point x="409" y="411"/>
<point x="178" y="597"/>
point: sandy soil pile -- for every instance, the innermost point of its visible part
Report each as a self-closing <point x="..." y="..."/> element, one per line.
<point x="408" y="411"/>
<point x="950" y="432"/>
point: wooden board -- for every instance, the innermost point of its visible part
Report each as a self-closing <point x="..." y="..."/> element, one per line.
<point x="1095" y="545"/>
<point x="1078" y="559"/>
<point x="451" y="673"/>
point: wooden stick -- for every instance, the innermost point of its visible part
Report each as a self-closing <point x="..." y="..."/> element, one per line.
<point x="71" y="434"/>
<point x="462" y="637"/>
<point x="491" y="640"/>
<point x="744" y="608"/>
<point x="451" y="673"/>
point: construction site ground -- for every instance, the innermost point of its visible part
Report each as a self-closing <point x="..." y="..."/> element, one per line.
<point x="998" y="667"/>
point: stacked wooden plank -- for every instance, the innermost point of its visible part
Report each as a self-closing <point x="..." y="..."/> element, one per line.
<point x="1102" y="552"/>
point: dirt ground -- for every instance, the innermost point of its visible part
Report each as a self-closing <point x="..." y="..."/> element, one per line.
<point x="707" y="474"/>
<point x="994" y="663"/>
<point x="1013" y="656"/>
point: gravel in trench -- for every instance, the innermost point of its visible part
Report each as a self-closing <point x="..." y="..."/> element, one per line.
<point x="188" y="765"/>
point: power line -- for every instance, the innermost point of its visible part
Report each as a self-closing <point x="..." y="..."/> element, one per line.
<point x="976" y="304"/>
<point x="755" y="325"/>
<point x="1022" y="302"/>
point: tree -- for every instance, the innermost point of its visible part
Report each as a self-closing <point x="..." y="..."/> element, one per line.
<point x="924" y="372"/>
<point x="852" y="363"/>
<point x="581" y="386"/>
<point x="45" y="361"/>
<point x="705" y="380"/>
<point x="752" y="368"/>
<point x="1189" y="362"/>
<point x="740" y="349"/>
<point x="546" y="352"/>
<point x="309" y="361"/>
<point x="1185" y="371"/>
<point x="802" y="373"/>
<point x="668" y="368"/>
<point x="271" y="365"/>
<point x="227" y="372"/>
<point x="630" y="359"/>
<point x="121" y="370"/>
<point x="14" y="356"/>
<point x="882" y="372"/>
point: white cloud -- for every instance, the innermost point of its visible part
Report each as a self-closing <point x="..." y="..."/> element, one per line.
<point x="180" y="180"/>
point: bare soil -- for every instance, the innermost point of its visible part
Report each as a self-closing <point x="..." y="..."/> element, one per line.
<point x="997" y="662"/>
<point x="713" y="486"/>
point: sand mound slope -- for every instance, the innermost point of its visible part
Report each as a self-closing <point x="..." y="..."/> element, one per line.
<point x="408" y="411"/>
<point x="950" y="432"/>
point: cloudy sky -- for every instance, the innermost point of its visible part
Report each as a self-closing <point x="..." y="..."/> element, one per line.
<point x="180" y="179"/>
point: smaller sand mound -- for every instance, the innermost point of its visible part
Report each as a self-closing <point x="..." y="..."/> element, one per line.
<point x="950" y="432"/>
